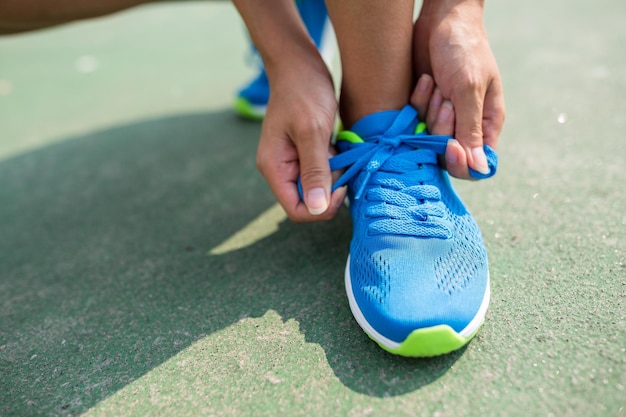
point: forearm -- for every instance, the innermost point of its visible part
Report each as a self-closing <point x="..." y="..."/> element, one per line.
<point x="437" y="9"/>
<point x="280" y="36"/>
<point x="24" y="15"/>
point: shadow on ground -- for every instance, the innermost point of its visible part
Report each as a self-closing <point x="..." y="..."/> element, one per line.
<point x="104" y="271"/>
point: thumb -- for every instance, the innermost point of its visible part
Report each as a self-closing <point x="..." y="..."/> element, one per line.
<point x="468" y="129"/>
<point x="315" y="173"/>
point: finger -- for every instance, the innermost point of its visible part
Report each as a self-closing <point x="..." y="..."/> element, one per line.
<point x="494" y="113"/>
<point x="433" y="108"/>
<point x="456" y="160"/>
<point x="281" y="173"/>
<point x="300" y="212"/>
<point x="286" y="192"/>
<point x="337" y="198"/>
<point x="312" y="145"/>
<point x="468" y="130"/>
<point x="444" y="122"/>
<point x="421" y="95"/>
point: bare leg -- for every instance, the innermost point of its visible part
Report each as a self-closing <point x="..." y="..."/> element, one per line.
<point x="375" y="42"/>
<point x="24" y="15"/>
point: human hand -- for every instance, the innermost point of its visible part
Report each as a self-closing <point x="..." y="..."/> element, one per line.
<point x="435" y="111"/>
<point x="451" y="43"/>
<point x="295" y="141"/>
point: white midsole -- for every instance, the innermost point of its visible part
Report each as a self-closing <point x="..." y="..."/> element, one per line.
<point x="469" y="330"/>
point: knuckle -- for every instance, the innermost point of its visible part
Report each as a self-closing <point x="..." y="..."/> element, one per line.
<point x="471" y="136"/>
<point x="475" y="133"/>
<point x="311" y="128"/>
<point x="466" y="82"/>
<point x="313" y="175"/>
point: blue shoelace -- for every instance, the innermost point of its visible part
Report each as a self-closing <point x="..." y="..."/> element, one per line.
<point x="399" y="171"/>
<point x="396" y="182"/>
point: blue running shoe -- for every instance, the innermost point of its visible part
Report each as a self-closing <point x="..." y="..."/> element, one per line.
<point x="251" y="100"/>
<point x="417" y="276"/>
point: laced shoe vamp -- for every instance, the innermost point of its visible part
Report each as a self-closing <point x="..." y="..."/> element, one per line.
<point x="402" y="282"/>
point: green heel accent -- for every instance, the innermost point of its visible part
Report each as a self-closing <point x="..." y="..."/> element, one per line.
<point x="431" y="341"/>
<point x="246" y="110"/>
<point x="349" y="136"/>
<point x="352" y="137"/>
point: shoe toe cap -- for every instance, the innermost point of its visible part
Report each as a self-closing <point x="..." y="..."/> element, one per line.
<point x="412" y="284"/>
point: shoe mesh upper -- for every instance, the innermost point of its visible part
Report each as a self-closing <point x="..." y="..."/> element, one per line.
<point x="371" y="272"/>
<point x="417" y="258"/>
<point x="459" y="266"/>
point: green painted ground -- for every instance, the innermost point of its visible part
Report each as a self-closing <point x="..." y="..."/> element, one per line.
<point x="145" y="270"/>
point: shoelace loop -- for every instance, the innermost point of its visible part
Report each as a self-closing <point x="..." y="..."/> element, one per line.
<point x="395" y="162"/>
<point x="400" y="199"/>
<point x="372" y="154"/>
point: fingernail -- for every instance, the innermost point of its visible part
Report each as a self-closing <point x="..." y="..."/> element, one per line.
<point x="480" y="160"/>
<point x="423" y="83"/>
<point x="316" y="201"/>
<point x="445" y="112"/>
<point x="452" y="156"/>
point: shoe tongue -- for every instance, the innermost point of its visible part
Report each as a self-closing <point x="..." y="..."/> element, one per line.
<point x="376" y="124"/>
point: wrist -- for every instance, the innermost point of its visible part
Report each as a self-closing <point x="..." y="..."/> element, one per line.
<point x="295" y="61"/>
<point x="280" y="37"/>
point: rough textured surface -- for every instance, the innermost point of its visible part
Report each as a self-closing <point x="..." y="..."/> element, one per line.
<point x="144" y="269"/>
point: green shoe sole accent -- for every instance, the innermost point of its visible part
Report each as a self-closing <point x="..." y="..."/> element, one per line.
<point x="247" y="110"/>
<point x="429" y="342"/>
<point x="352" y="137"/>
<point x="349" y="136"/>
